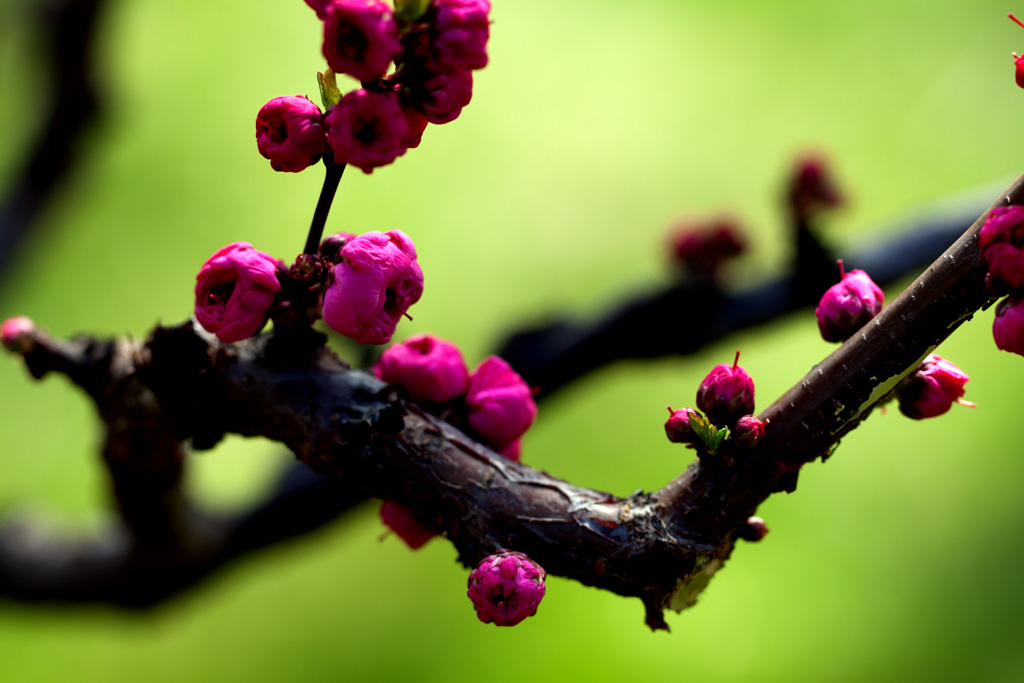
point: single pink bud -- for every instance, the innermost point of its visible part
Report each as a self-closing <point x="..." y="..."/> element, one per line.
<point x="932" y="388"/>
<point x="500" y="404"/>
<point x="234" y="291"/>
<point x="703" y="248"/>
<point x="441" y="96"/>
<point x="811" y="186"/>
<point x="367" y="129"/>
<point x="360" y="38"/>
<point x="290" y="132"/>
<point x="726" y="394"/>
<point x="459" y="30"/>
<point x="430" y="369"/>
<point x="506" y="588"/>
<point x="402" y="520"/>
<point x="1008" y="326"/>
<point x="1018" y="62"/>
<point x="677" y="427"/>
<point x="848" y="306"/>
<point x="16" y="334"/>
<point x="1001" y="241"/>
<point x="748" y="430"/>
<point x="372" y="286"/>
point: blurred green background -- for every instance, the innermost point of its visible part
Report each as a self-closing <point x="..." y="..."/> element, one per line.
<point x="595" y="125"/>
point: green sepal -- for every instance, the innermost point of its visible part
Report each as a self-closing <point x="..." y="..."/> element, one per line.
<point x="408" y="11"/>
<point x="710" y="435"/>
<point x="329" y="93"/>
<point x="717" y="439"/>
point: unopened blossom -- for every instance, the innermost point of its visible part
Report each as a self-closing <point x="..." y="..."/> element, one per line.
<point x="372" y="286"/>
<point x="331" y="245"/>
<point x="360" y="38"/>
<point x="932" y="388"/>
<point x="726" y="394"/>
<point x="506" y="588"/>
<point x="1001" y="241"/>
<point x="1018" y="60"/>
<point x="811" y="187"/>
<point x="459" y="30"/>
<point x="703" y="247"/>
<point x="748" y="430"/>
<point x="678" y="428"/>
<point x="235" y="289"/>
<point x="848" y="306"/>
<point x="441" y="96"/>
<point x="403" y="521"/>
<point x="1008" y="326"/>
<point x="290" y="132"/>
<point x="429" y="368"/>
<point x="499" y="402"/>
<point x="16" y="334"/>
<point x="367" y="129"/>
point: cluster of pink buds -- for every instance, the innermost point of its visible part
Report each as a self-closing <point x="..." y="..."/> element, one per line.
<point x="506" y="588"/>
<point x="493" y="403"/>
<point x="362" y="291"/>
<point x="435" y="46"/>
<point x="848" y="306"/>
<point x="702" y="247"/>
<point x="932" y="389"/>
<point x="1001" y="241"/>
<point x="726" y="397"/>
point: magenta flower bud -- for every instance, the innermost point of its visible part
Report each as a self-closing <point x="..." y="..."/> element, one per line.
<point x="331" y="245"/>
<point x="360" y="38"/>
<point x="234" y="291"/>
<point x="290" y="132"/>
<point x="726" y="394"/>
<point x="372" y="286"/>
<point x="402" y="520"/>
<point x="459" y="33"/>
<point x="1018" y="61"/>
<point x="500" y="403"/>
<point x="932" y="388"/>
<point x="848" y="306"/>
<point x="16" y="334"/>
<point x="702" y="248"/>
<point x="748" y="430"/>
<point x="811" y="187"/>
<point x="430" y="369"/>
<point x="1002" y="244"/>
<point x="677" y="427"/>
<point x="1008" y="326"/>
<point x="506" y="588"/>
<point x="367" y="129"/>
<point x="442" y="96"/>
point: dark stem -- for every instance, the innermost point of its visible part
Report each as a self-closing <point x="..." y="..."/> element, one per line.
<point x="323" y="205"/>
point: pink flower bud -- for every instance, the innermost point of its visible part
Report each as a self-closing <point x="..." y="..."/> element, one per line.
<point x="1002" y="244"/>
<point x="500" y="403"/>
<point x="748" y="430"/>
<point x="360" y="38"/>
<point x="234" y="291"/>
<point x="290" y="132"/>
<point x="16" y="334"/>
<point x="459" y="33"/>
<point x="726" y="394"/>
<point x="703" y="248"/>
<point x="430" y="369"/>
<point x="506" y="588"/>
<point x="932" y="388"/>
<point x="848" y="306"/>
<point x="1018" y="62"/>
<point x="441" y="96"/>
<point x="677" y="427"/>
<point x="1008" y="327"/>
<point x="402" y="520"/>
<point x="811" y="187"/>
<point x="372" y="286"/>
<point x="367" y="129"/>
<point x="331" y="245"/>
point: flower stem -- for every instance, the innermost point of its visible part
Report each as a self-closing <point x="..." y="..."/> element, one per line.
<point x="323" y="205"/>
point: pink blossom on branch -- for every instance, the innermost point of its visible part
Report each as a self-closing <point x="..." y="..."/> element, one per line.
<point x="1002" y="244"/>
<point x="235" y="289"/>
<point x="500" y="404"/>
<point x="848" y="306"/>
<point x="290" y="132"/>
<point x="678" y="428"/>
<point x="372" y="286"/>
<point x="506" y="588"/>
<point x="726" y="394"/>
<point x="403" y="521"/>
<point x="459" y="30"/>
<point x="441" y="96"/>
<point x="367" y="129"/>
<point x="932" y="388"/>
<point x="430" y="369"/>
<point x="1008" y="326"/>
<point x="360" y="37"/>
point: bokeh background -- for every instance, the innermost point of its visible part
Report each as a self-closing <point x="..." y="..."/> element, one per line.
<point x="596" y="125"/>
